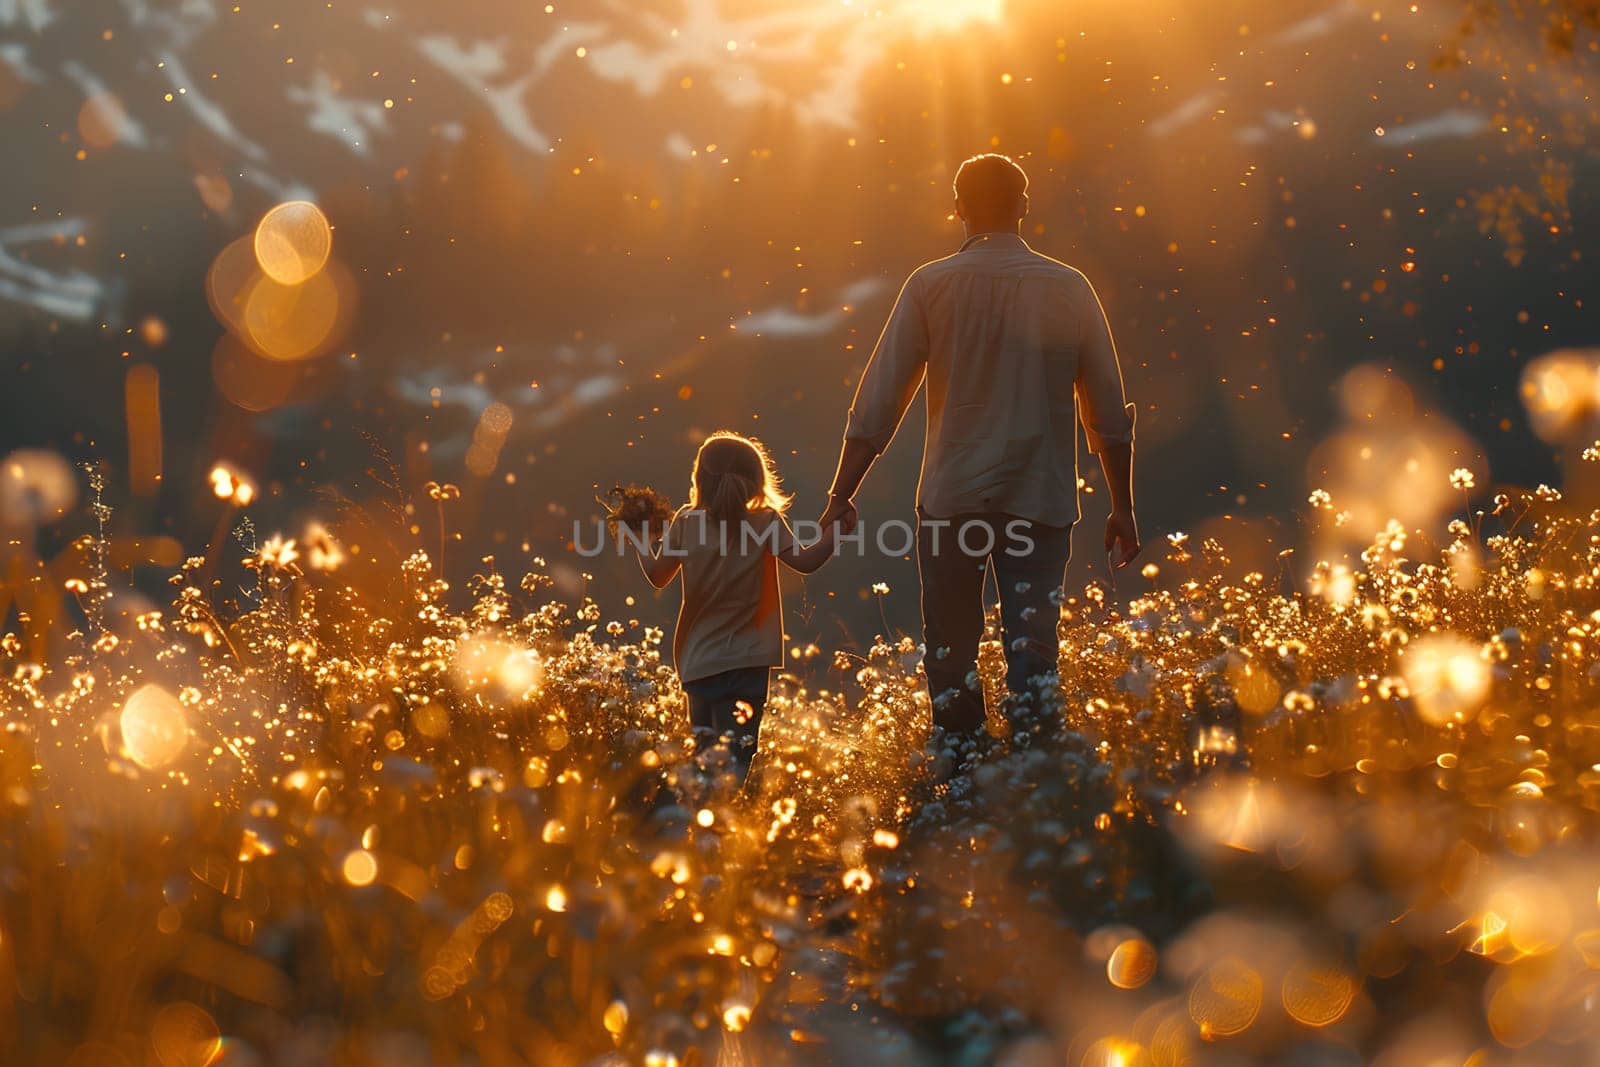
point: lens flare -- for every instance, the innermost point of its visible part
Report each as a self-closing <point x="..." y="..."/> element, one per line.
<point x="946" y="15"/>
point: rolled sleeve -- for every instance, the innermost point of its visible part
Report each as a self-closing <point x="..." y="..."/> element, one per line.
<point x="1103" y="409"/>
<point x="894" y="373"/>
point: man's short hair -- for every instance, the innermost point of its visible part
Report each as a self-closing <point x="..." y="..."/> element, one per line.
<point x="991" y="184"/>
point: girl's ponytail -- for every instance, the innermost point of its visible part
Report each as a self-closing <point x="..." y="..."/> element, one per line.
<point x="731" y="494"/>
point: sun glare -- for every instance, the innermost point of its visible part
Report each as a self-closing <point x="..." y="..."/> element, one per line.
<point x="940" y="15"/>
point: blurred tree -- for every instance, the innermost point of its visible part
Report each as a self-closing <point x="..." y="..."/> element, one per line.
<point x="1562" y="23"/>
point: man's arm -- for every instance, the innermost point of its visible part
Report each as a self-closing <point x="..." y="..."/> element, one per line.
<point x="1116" y="461"/>
<point x="894" y="374"/>
<point x="855" y="459"/>
<point x="1107" y="420"/>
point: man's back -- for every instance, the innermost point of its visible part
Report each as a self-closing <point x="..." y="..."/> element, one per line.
<point x="1008" y="340"/>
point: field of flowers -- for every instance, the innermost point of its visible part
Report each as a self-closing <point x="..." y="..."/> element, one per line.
<point x="358" y="817"/>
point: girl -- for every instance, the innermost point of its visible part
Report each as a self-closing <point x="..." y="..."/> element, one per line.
<point x="727" y="542"/>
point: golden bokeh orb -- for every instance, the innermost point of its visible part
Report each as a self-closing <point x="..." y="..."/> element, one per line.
<point x="360" y="867"/>
<point x="293" y="242"/>
<point x="1132" y="963"/>
<point x="185" y="1035"/>
<point x="736" y="1016"/>
<point x="290" y="322"/>
<point x="36" y="486"/>
<point x="155" y="730"/>
<point x="228" y="283"/>
<point x="1226" y="999"/>
<point x="250" y="380"/>
<point x="1317" y="996"/>
<point x="1448" y="676"/>
<point x="1115" y="1052"/>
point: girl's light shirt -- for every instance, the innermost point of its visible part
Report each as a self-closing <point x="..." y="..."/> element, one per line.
<point x="732" y="614"/>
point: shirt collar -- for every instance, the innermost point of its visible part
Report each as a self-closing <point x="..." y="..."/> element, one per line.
<point x="994" y="239"/>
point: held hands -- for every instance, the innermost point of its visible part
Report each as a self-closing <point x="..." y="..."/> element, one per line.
<point x="1122" y="539"/>
<point x="840" y="512"/>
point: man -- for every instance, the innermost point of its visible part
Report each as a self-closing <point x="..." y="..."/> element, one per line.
<point x="1009" y="342"/>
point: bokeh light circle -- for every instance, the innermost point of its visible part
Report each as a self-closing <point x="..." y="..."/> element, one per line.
<point x="250" y="380"/>
<point x="229" y="283"/>
<point x="290" y="322"/>
<point x="293" y="242"/>
<point x="1132" y="964"/>
<point x="185" y="1035"/>
<point x="1447" y="675"/>
<point x="154" y="728"/>
<point x="1317" y="996"/>
<point x="360" y="867"/>
<point x="1226" y="999"/>
<point x="1115" y="1052"/>
<point x="36" y="485"/>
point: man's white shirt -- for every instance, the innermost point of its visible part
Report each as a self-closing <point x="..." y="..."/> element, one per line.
<point x="1014" y="347"/>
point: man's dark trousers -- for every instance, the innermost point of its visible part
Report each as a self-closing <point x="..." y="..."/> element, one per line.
<point x="952" y="554"/>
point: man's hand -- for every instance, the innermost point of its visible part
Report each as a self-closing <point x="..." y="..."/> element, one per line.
<point x="1122" y="538"/>
<point x="841" y="511"/>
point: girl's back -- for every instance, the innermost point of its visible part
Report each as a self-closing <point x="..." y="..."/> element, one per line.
<point x="732" y="614"/>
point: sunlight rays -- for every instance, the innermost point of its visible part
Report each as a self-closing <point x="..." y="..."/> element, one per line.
<point x="936" y="16"/>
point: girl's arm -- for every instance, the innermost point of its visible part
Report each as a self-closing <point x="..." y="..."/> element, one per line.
<point x="807" y="559"/>
<point x="658" y="569"/>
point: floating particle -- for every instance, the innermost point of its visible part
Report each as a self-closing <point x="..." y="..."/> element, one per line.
<point x="153" y="331"/>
